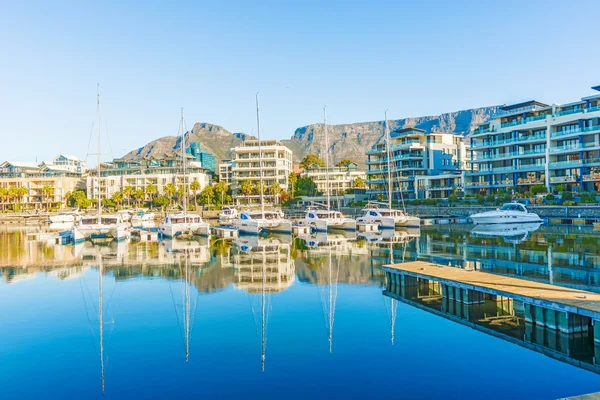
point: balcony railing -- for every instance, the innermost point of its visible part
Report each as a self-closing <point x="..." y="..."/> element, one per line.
<point x="530" y="181"/>
<point x="574" y="146"/>
<point x="559" y="179"/>
<point x="575" y="130"/>
<point x="523" y="121"/>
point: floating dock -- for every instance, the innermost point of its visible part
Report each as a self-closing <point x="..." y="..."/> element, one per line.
<point x="553" y="307"/>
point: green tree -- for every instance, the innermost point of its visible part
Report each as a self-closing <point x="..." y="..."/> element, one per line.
<point x="161" y="201"/>
<point x="292" y="180"/>
<point x="22" y="191"/>
<point x="195" y="186"/>
<point x="311" y="159"/>
<point x="139" y="196"/>
<point x="275" y="190"/>
<point x="170" y="191"/>
<point x="345" y="162"/>
<point x="207" y="195"/>
<point x="359" y="183"/>
<point x="247" y="187"/>
<point x="259" y="187"/>
<point x="151" y="191"/>
<point x="3" y="197"/>
<point x="117" y="198"/>
<point x="306" y="187"/>
<point x="128" y="193"/>
<point x="538" y="189"/>
<point x="221" y="188"/>
<point x="47" y="193"/>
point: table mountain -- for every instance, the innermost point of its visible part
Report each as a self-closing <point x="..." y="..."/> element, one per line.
<point x="347" y="141"/>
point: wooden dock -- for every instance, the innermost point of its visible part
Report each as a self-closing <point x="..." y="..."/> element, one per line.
<point x="555" y="307"/>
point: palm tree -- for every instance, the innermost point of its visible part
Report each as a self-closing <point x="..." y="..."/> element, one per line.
<point x="47" y="191"/>
<point x="151" y="190"/>
<point x="138" y="195"/>
<point x="275" y="190"/>
<point x="12" y="195"/>
<point x="3" y="197"/>
<point x="207" y="195"/>
<point x="117" y="197"/>
<point x="21" y="192"/>
<point x="170" y="191"/>
<point x="195" y="186"/>
<point x="128" y="192"/>
<point x="292" y="179"/>
<point x="222" y="188"/>
<point x="247" y="187"/>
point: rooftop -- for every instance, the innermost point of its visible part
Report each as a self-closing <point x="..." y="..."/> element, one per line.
<point x="530" y="103"/>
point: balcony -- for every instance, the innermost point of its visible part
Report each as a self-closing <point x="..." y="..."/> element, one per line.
<point x="523" y="121"/>
<point x="530" y="181"/>
<point x="566" y="147"/>
<point x="573" y="131"/>
<point x="567" y="163"/>
<point x="562" y="179"/>
<point x="477" y="184"/>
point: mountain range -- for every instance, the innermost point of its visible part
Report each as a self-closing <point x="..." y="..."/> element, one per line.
<point x="347" y="141"/>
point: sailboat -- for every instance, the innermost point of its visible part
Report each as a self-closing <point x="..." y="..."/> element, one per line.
<point x="100" y="226"/>
<point x="254" y="222"/>
<point x="184" y="223"/>
<point x="388" y="217"/>
<point x="322" y="219"/>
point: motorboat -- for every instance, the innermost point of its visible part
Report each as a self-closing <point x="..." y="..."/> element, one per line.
<point x="509" y="213"/>
<point x="125" y="215"/>
<point x="228" y="215"/>
<point x="323" y="220"/>
<point x="184" y="224"/>
<point x="64" y="217"/>
<point x="102" y="226"/>
<point x="514" y="233"/>
<point x="255" y="222"/>
<point x="387" y="218"/>
<point x="142" y="215"/>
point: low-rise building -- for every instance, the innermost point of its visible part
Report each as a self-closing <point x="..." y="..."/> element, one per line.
<point x="245" y="171"/>
<point x="533" y="143"/>
<point x="413" y="153"/>
<point x="44" y="185"/>
<point x="341" y="179"/>
<point x="139" y="174"/>
<point x="225" y="171"/>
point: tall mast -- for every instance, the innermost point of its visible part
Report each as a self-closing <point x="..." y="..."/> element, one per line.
<point x="98" y="112"/>
<point x="260" y="166"/>
<point x="392" y="301"/>
<point x="389" y="155"/>
<point x="183" y="163"/>
<point x="187" y="311"/>
<point x="101" y="322"/>
<point x="262" y="307"/>
<point x="326" y="155"/>
<point x="331" y="316"/>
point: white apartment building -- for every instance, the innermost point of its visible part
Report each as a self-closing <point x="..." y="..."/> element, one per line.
<point x="533" y="143"/>
<point x="67" y="163"/>
<point x="224" y="170"/>
<point x="276" y="167"/>
<point x="341" y="179"/>
<point x="138" y="174"/>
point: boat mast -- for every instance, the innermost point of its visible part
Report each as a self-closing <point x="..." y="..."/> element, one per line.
<point x="260" y="166"/>
<point x="389" y="155"/>
<point x="392" y="301"/>
<point x="101" y="322"/>
<point x="262" y="307"/>
<point x="187" y="311"/>
<point x="331" y="315"/>
<point x="185" y="192"/>
<point x="326" y="154"/>
<point x="98" y="172"/>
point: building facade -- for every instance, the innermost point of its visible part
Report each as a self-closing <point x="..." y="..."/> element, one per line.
<point x="413" y="153"/>
<point x="207" y="160"/>
<point x="533" y="143"/>
<point x="245" y="169"/>
<point x="139" y="174"/>
<point x="43" y="185"/>
<point x="341" y="179"/>
<point x="225" y="171"/>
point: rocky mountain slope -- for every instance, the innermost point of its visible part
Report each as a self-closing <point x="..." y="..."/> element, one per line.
<point x="346" y="141"/>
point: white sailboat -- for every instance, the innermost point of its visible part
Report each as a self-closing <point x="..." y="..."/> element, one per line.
<point x="184" y="223"/>
<point x="323" y="219"/>
<point x="387" y="217"/>
<point x="254" y="222"/>
<point x="100" y="226"/>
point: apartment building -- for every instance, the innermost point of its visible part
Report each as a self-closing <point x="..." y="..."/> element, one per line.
<point x="533" y="143"/>
<point x="139" y="174"/>
<point x="341" y="179"/>
<point x="245" y="166"/>
<point x="225" y="171"/>
<point x="45" y="185"/>
<point x="413" y="153"/>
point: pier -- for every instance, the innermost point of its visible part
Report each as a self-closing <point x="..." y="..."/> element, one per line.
<point x="553" y="307"/>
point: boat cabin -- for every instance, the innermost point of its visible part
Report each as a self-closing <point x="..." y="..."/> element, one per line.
<point x="323" y="214"/>
<point x="183" y="219"/>
<point x="514" y="207"/>
<point x="102" y="220"/>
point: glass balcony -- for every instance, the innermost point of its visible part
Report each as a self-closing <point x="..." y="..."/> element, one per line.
<point x="575" y="130"/>
<point x="560" y="179"/>
<point x="523" y="121"/>
<point x="566" y="147"/>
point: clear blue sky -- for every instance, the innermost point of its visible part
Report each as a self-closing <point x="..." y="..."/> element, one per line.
<point x="414" y="58"/>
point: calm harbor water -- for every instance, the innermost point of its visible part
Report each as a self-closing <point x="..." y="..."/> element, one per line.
<point x="280" y="318"/>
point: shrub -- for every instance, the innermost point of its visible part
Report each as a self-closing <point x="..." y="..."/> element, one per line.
<point x="415" y="202"/>
<point x="538" y="189"/>
<point x="550" y="196"/>
<point x="568" y="203"/>
<point x="566" y="196"/>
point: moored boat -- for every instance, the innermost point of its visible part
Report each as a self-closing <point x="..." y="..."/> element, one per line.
<point x="510" y="213"/>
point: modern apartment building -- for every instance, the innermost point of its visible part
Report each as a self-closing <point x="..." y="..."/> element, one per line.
<point x="413" y="153"/>
<point x="533" y="143"/>
<point x="208" y="161"/>
<point x="46" y="185"/>
<point x="225" y="171"/>
<point x="276" y="167"/>
<point x="341" y="179"/>
<point x="138" y="174"/>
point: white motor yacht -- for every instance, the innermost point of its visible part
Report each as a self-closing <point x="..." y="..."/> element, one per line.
<point x="388" y="218"/>
<point x="505" y="230"/>
<point x="184" y="224"/>
<point x="65" y="217"/>
<point x="255" y="222"/>
<point x="228" y="215"/>
<point x="510" y="213"/>
<point x="142" y="215"/>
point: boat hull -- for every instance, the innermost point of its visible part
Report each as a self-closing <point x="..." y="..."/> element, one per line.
<point x="174" y="230"/>
<point x="254" y="227"/>
<point x="102" y="232"/>
<point x="483" y="219"/>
